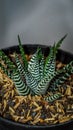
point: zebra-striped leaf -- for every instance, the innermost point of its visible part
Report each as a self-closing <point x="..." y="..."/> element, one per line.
<point x="23" y="56"/>
<point x="33" y="66"/>
<point x="61" y="76"/>
<point x="51" y="59"/>
<point x="31" y="82"/>
<point x="41" y="67"/>
<point x="19" y="66"/>
<point x="53" y="97"/>
<point x="43" y="85"/>
<point x="5" y="70"/>
<point x="20" y="85"/>
<point x="6" y="60"/>
<point x="50" y="63"/>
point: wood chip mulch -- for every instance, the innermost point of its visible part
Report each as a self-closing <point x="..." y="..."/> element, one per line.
<point x="35" y="110"/>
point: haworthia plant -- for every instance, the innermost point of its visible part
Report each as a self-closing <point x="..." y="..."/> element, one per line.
<point x="38" y="75"/>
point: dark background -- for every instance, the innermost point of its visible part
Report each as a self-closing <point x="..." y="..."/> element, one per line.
<point x="36" y="21"/>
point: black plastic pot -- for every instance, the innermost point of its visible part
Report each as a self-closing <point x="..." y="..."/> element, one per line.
<point x="6" y="124"/>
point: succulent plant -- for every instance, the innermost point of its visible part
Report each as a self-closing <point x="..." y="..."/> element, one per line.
<point x="38" y="75"/>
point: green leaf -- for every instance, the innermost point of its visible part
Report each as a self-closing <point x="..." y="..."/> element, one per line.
<point x="6" y="60"/>
<point x="50" y="63"/>
<point x="61" y="76"/>
<point x="5" y="70"/>
<point x="58" y="44"/>
<point x="19" y="66"/>
<point x="33" y="66"/>
<point x="43" y="85"/>
<point x="30" y="81"/>
<point x="20" y="85"/>
<point x="22" y="53"/>
<point x="41" y="66"/>
<point x="53" y="97"/>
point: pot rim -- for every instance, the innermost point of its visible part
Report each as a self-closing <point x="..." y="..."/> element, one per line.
<point x="34" y="45"/>
<point x="33" y="126"/>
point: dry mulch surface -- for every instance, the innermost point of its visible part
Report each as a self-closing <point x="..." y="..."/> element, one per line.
<point x="35" y="110"/>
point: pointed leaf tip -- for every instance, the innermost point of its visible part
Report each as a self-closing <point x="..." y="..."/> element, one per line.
<point x="60" y="41"/>
<point x="57" y="45"/>
<point x="19" y="39"/>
